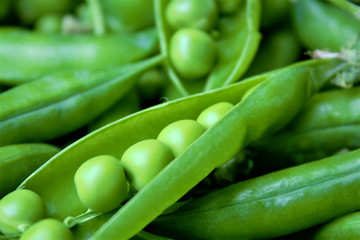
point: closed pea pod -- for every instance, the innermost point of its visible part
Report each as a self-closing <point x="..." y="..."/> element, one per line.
<point x="238" y="128"/>
<point x="329" y="123"/>
<point x="18" y="161"/>
<point x="56" y="53"/>
<point x="324" y="190"/>
<point x="52" y="112"/>
<point x="320" y="25"/>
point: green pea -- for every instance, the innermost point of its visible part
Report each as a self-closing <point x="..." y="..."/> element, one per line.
<point x="191" y="13"/>
<point x="101" y="183"/>
<point x="144" y="160"/>
<point x="20" y="207"/>
<point x="180" y="134"/>
<point x="229" y="6"/>
<point x="192" y="53"/>
<point x="49" y="229"/>
<point x="213" y="114"/>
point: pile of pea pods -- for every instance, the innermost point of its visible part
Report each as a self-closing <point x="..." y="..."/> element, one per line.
<point x="179" y="119"/>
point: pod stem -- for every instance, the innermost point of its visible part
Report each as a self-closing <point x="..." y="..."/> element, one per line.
<point x="83" y="217"/>
<point x="98" y="17"/>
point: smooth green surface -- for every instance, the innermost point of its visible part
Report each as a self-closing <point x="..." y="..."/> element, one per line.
<point x="26" y="56"/>
<point x="18" y="161"/>
<point x="242" y="125"/>
<point x="271" y="205"/>
<point x="101" y="183"/>
<point x="329" y="123"/>
<point x="211" y="115"/>
<point x="279" y="49"/>
<point x="128" y="15"/>
<point x="58" y="104"/>
<point x="144" y="160"/>
<point x="345" y="227"/>
<point x="191" y="14"/>
<point x="20" y="207"/>
<point x="49" y="229"/>
<point x="321" y="25"/>
<point x="180" y="134"/>
<point x="192" y="53"/>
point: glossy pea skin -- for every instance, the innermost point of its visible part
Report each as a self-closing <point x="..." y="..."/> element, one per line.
<point x="213" y="114"/>
<point x="191" y="13"/>
<point x="180" y="134"/>
<point x="49" y="229"/>
<point x="101" y="183"/>
<point x="144" y="160"/>
<point x="20" y="207"/>
<point x="192" y="53"/>
<point x="229" y="6"/>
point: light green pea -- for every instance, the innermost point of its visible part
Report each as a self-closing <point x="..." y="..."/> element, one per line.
<point x="101" y="184"/>
<point x="18" y="209"/>
<point x="47" y="229"/>
<point x="192" y="53"/>
<point x="191" y="13"/>
<point x="180" y="134"/>
<point x="144" y="160"/>
<point x="211" y="115"/>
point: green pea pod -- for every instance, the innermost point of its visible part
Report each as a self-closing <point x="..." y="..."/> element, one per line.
<point x="242" y="125"/>
<point x="128" y="15"/>
<point x="30" y="10"/>
<point x="329" y="122"/>
<point x="25" y="56"/>
<point x="271" y="205"/>
<point x="237" y="44"/>
<point x="128" y="104"/>
<point x="346" y="227"/>
<point x="17" y="162"/>
<point x="321" y="25"/>
<point x="60" y="103"/>
<point x="280" y="49"/>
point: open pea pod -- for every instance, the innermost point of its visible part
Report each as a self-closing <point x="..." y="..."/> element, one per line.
<point x="60" y="103"/>
<point x="329" y="123"/>
<point x="237" y="44"/>
<point x="26" y="56"/>
<point x="273" y="103"/>
<point x="18" y="161"/>
<point x="271" y="205"/>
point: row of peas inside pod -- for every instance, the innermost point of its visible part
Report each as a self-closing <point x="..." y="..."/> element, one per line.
<point x="22" y="211"/>
<point x="214" y="40"/>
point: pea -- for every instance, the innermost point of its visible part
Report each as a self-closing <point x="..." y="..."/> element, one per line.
<point x="191" y="13"/>
<point x="180" y="134"/>
<point x="214" y="113"/>
<point x="49" y="229"/>
<point x="20" y="207"/>
<point x="229" y="6"/>
<point x="101" y="184"/>
<point x="192" y="53"/>
<point x="144" y="160"/>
